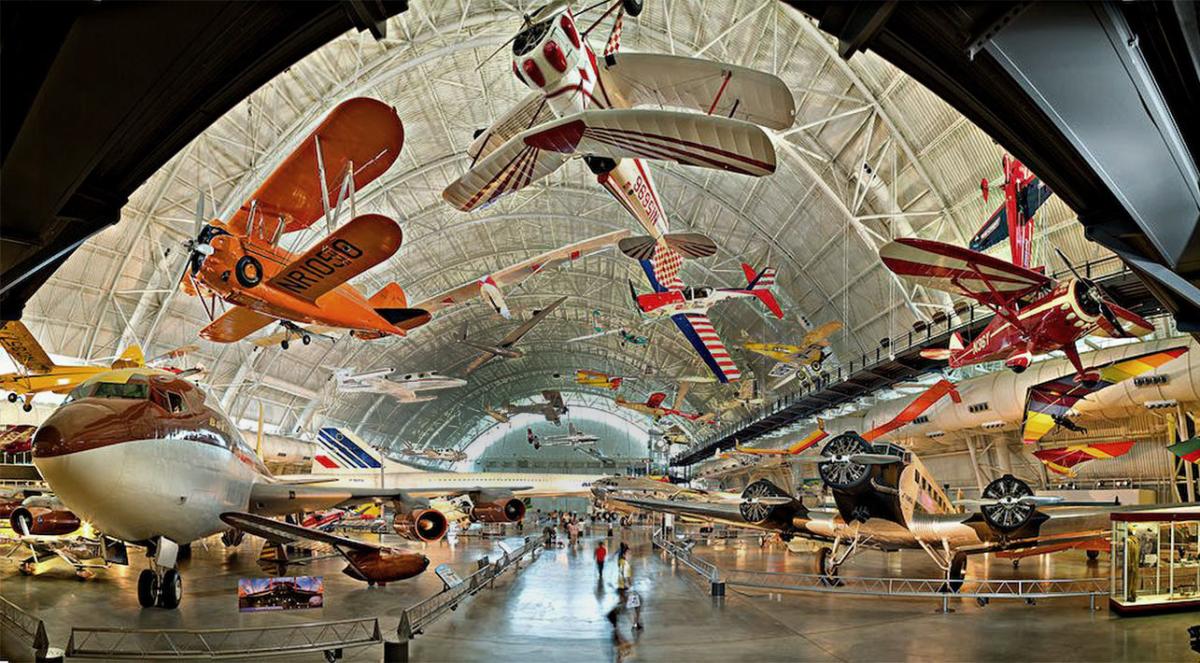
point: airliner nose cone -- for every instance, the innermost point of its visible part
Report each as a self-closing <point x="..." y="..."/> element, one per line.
<point x="80" y="426"/>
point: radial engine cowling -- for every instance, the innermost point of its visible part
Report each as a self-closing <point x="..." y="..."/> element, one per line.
<point x="499" y="510"/>
<point x="421" y="525"/>
<point x="1007" y="511"/>
<point x="42" y="521"/>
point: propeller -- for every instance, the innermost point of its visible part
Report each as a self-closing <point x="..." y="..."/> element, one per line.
<point x="1034" y="500"/>
<point x="859" y="458"/>
<point x="1095" y="293"/>
<point x="197" y="247"/>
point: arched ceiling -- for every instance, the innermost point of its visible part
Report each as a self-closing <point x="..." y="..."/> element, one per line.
<point x="819" y="218"/>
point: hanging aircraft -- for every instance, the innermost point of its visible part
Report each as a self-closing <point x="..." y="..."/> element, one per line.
<point x="552" y="408"/>
<point x="489" y="287"/>
<point x="39" y="374"/>
<point x="404" y="388"/>
<point x="747" y="396"/>
<point x="793" y="449"/>
<point x="585" y="106"/>
<point x="654" y="407"/>
<point x="1064" y="460"/>
<point x="688" y="309"/>
<point x="573" y="438"/>
<point x="16" y="438"/>
<point x="1026" y="323"/>
<point x="626" y="337"/>
<point x="589" y="378"/>
<point x="1024" y="194"/>
<point x="150" y="460"/>
<point x="240" y="261"/>
<point x="504" y="348"/>
<point x="433" y="454"/>
<point x="795" y="360"/>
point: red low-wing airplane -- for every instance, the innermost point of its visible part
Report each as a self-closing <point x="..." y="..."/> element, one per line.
<point x="1034" y="313"/>
<point x="654" y="407"/>
<point x="240" y="260"/>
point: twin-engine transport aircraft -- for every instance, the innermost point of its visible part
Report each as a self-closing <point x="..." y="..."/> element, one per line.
<point x="149" y="459"/>
<point x="1026" y="323"/>
<point x="573" y="438"/>
<point x="402" y="387"/>
<point x="552" y="408"/>
<point x="587" y="106"/>
<point x="506" y="347"/>
<point x="240" y="261"/>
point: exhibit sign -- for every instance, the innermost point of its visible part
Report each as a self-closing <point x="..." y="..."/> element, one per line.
<point x="286" y="593"/>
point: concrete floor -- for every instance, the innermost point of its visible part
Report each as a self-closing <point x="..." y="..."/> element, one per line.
<point x="554" y="611"/>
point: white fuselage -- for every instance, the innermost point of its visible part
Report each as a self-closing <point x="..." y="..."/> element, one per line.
<point x="140" y="489"/>
<point x="430" y="484"/>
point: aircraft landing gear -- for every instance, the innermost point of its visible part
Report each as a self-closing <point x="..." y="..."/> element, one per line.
<point x="161" y="585"/>
<point x="27" y="406"/>
<point x="1093" y="555"/>
<point x="1016" y="563"/>
<point x="284" y="344"/>
<point x="12" y="398"/>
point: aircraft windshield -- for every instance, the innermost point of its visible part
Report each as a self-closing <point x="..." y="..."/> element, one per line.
<point x="130" y="390"/>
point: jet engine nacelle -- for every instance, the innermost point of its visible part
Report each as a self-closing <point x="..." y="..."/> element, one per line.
<point x="421" y="525"/>
<point x="493" y="508"/>
<point x="41" y="521"/>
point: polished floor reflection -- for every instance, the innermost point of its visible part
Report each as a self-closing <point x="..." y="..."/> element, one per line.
<point x="555" y="611"/>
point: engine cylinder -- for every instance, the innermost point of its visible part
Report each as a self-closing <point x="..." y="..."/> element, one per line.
<point x="41" y="521"/>
<point x="421" y="525"/>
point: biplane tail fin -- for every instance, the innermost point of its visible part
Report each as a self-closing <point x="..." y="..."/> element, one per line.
<point x="759" y="284"/>
<point x="132" y="357"/>
<point x="392" y="305"/>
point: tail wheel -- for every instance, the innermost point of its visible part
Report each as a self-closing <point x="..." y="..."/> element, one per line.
<point x="171" y="590"/>
<point x="306" y="339"/>
<point x="147" y="589"/>
<point x="28" y="407"/>
<point x="248" y="271"/>
<point x="284" y="344"/>
<point x="844" y="474"/>
<point x="1093" y="555"/>
<point x="1009" y="513"/>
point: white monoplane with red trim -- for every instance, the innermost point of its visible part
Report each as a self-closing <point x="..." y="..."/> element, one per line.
<point x="590" y="107"/>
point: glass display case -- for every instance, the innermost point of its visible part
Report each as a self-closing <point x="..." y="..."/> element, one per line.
<point x="1155" y="561"/>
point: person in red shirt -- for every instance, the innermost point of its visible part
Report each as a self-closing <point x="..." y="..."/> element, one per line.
<point x="601" y="553"/>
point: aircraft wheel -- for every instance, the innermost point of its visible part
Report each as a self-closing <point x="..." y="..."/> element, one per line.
<point x="306" y="339"/>
<point x="1093" y="555"/>
<point x="85" y="574"/>
<point x="1018" y="369"/>
<point x="632" y="7"/>
<point x="284" y="344"/>
<point x="954" y="578"/>
<point x="171" y="591"/>
<point x="828" y="572"/>
<point x="1016" y="563"/>
<point x="147" y="588"/>
<point x="248" y="271"/>
<point x="26" y="568"/>
<point x="28" y="407"/>
<point x="12" y="398"/>
<point x="815" y="364"/>
<point x="981" y="601"/>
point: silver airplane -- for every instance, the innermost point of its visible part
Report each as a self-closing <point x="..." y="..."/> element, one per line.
<point x="404" y="387"/>
<point x="886" y="499"/>
<point x="573" y="438"/>
<point x="505" y="348"/>
<point x="552" y="409"/>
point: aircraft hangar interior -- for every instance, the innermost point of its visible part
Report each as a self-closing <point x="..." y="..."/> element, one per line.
<point x="589" y="330"/>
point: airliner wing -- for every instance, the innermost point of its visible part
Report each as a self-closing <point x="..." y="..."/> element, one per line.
<point x="278" y="499"/>
<point x="726" y="512"/>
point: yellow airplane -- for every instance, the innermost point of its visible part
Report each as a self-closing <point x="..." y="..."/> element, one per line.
<point x="806" y="353"/>
<point x="40" y="374"/>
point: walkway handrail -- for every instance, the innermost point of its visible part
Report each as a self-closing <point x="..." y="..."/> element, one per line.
<point x="419" y="615"/>
<point x="25" y="625"/>
<point x="217" y="643"/>
<point x="683" y="555"/>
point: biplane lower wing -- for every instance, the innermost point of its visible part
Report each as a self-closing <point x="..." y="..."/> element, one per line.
<point x="508" y="168"/>
<point x="354" y="248"/>
<point x="1048" y="403"/>
<point x="991" y="281"/>
<point x="715" y="88"/>
<point x="234" y="325"/>
<point x="699" y="331"/>
<point x="704" y="141"/>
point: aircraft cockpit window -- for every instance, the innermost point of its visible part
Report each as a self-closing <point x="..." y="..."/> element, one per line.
<point x="175" y="402"/>
<point x="130" y="390"/>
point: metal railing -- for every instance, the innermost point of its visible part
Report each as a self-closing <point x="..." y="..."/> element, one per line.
<point x="289" y="640"/>
<point x="27" y="628"/>
<point x="983" y="590"/>
<point x="416" y="617"/>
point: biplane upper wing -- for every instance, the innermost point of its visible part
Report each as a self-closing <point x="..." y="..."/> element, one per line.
<point x="515" y="274"/>
<point x="24" y="348"/>
<point x="350" y="250"/>
<point x="715" y="88"/>
<point x="705" y="141"/>
<point x="234" y="325"/>
<point x="820" y="335"/>
<point x="1048" y="403"/>
<point x="699" y="331"/>
<point x="530" y="112"/>
<point x="941" y="266"/>
<point x="363" y="134"/>
<point x="508" y="168"/>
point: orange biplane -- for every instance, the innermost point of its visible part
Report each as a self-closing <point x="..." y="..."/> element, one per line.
<point x="240" y="262"/>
